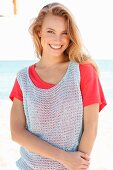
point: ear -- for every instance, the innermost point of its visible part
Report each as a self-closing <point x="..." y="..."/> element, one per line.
<point x="39" y="34"/>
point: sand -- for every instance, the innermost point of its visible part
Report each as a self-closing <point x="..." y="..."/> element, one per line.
<point x="102" y="154"/>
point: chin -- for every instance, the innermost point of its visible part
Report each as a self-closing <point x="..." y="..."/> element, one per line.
<point x="57" y="53"/>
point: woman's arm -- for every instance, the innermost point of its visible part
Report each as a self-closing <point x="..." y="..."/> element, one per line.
<point x="90" y="122"/>
<point x="27" y="139"/>
<point x="34" y="144"/>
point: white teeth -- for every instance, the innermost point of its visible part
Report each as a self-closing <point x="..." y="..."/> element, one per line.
<point x="55" y="46"/>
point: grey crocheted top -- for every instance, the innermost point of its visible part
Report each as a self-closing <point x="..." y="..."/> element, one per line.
<point x="54" y="115"/>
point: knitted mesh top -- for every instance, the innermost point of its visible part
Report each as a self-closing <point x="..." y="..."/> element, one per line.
<point x="54" y="115"/>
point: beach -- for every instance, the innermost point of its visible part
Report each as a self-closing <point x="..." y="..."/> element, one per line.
<point x="18" y="52"/>
<point x="102" y="153"/>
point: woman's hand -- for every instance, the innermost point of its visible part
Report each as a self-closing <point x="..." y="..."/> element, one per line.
<point x="76" y="161"/>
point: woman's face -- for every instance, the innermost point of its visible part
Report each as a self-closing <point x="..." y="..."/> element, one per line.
<point x="54" y="37"/>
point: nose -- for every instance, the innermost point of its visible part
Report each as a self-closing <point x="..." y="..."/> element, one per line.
<point x="58" y="38"/>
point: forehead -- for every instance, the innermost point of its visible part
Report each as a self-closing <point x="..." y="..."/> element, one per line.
<point x="53" y="21"/>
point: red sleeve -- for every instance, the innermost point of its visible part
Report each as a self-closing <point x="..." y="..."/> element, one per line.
<point x="16" y="92"/>
<point x="91" y="88"/>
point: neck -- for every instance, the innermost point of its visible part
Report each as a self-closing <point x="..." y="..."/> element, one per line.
<point x="50" y="61"/>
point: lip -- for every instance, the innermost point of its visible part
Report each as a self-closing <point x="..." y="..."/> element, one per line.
<point x="55" y="48"/>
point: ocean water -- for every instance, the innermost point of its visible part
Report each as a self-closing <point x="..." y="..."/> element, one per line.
<point x="9" y="69"/>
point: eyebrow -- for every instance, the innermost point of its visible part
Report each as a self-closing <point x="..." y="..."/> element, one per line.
<point x="51" y="29"/>
<point x="54" y="30"/>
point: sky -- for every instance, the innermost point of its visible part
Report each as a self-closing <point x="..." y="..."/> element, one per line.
<point x="92" y="17"/>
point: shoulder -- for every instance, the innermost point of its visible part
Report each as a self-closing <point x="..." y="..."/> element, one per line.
<point x="86" y="67"/>
<point x="87" y="70"/>
<point x="25" y="70"/>
<point x="22" y="71"/>
<point x="22" y="74"/>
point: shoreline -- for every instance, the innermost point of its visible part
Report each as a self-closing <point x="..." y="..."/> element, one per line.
<point x="102" y="152"/>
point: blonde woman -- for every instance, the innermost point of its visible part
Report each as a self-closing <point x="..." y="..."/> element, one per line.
<point x="56" y="101"/>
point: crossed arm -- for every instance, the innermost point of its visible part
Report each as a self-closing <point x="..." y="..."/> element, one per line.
<point x="34" y="144"/>
<point x="91" y="114"/>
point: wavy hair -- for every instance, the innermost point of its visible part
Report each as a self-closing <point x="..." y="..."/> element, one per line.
<point x="76" y="50"/>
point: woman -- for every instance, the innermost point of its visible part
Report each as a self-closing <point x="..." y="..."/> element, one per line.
<point x="56" y="101"/>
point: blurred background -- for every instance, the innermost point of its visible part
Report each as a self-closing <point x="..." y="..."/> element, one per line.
<point x="94" y="19"/>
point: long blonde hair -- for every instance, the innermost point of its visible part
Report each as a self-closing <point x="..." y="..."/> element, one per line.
<point x="76" y="50"/>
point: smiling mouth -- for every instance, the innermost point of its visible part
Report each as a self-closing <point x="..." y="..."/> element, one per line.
<point x="55" y="47"/>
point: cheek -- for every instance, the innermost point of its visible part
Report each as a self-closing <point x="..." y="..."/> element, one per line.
<point x="47" y="38"/>
<point x="44" y="39"/>
<point x="67" y="40"/>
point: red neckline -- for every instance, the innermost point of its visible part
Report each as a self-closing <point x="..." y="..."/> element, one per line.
<point x="37" y="81"/>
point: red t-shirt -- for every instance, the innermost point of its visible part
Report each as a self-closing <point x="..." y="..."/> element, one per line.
<point x="89" y="84"/>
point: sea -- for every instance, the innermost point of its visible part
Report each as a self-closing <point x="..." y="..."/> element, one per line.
<point x="9" y="69"/>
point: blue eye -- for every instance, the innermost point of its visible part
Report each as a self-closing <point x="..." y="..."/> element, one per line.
<point x="65" y="33"/>
<point x="50" y="32"/>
